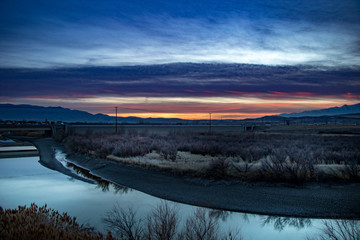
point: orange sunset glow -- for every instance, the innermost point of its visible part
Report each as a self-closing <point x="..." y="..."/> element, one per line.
<point x="241" y="106"/>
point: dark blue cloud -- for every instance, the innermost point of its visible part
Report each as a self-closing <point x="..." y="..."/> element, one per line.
<point x="178" y="80"/>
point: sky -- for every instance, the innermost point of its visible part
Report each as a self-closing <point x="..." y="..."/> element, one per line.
<point x="157" y="58"/>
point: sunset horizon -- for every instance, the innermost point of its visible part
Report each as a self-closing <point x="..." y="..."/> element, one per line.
<point x="183" y="116"/>
<point x="158" y="119"/>
<point x="232" y="59"/>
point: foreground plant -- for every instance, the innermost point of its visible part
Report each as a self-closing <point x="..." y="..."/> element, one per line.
<point x="43" y="223"/>
<point x="124" y="222"/>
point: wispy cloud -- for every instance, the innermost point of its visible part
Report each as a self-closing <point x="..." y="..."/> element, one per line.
<point x="289" y="55"/>
<point x="260" y="32"/>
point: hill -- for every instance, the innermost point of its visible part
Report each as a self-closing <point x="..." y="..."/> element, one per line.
<point x="343" y="110"/>
<point x="37" y="113"/>
<point x="348" y="114"/>
<point x="40" y="114"/>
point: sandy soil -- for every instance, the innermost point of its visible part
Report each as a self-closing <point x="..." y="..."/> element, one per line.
<point x="311" y="200"/>
<point x="188" y="162"/>
<point x="184" y="161"/>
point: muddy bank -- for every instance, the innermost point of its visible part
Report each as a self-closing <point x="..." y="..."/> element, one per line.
<point x="46" y="148"/>
<point x="312" y="200"/>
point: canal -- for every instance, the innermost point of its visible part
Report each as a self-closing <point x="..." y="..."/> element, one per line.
<point x="23" y="180"/>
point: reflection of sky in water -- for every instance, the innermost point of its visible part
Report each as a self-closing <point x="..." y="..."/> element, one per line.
<point x="18" y="148"/>
<point x="24" y="180"/>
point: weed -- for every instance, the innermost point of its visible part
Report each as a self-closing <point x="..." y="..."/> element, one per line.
<point x="42" y="223"/>
<point x="283" y="157"/>
<point x="217" y="169"/>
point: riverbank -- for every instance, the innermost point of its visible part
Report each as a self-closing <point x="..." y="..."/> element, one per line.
<point x="285" y="158"/>
<point x="46" y="149"/>
<point x="310" y="200"/>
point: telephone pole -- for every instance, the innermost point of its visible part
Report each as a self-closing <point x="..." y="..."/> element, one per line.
<point x="210" y="122"/>
<point x="116" y="131"/>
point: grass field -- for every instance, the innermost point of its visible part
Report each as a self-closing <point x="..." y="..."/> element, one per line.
<point x="279" y="154"/>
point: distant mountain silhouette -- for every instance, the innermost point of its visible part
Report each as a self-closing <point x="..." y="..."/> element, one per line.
<point x="37" y="113"/>
<point x="346" y="109"/>
<point x="40" y="114"/>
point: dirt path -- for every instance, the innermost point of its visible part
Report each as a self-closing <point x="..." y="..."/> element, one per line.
<point x="312" y="200"/>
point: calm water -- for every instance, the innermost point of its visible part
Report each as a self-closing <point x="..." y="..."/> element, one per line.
<point x="24" y="180"/>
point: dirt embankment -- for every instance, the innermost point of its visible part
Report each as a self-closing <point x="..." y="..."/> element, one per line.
<point x="46" y="148"/>
<point x="310" y="200"/>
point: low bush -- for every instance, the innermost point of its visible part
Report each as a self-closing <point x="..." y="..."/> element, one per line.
<point x="284" y="157"/>
<point x="217" y="169"/>
<point x="42" y="223"/>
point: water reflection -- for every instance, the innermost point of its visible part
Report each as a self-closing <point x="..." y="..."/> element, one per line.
<point x="280" y="223"/>
<point x="166" y="222"/>
<point x="219" y="214"/>
<point x="102" y="184"/>
<point x="339" y="230"/>
<point x="24" y="180"/>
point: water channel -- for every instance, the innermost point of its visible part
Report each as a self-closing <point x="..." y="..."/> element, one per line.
<point x="23" y="180"/>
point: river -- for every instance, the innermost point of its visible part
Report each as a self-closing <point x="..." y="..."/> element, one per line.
<point x="23" y="180"/>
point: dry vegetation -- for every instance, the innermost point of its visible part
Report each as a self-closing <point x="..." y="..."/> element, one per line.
<point x="42" y="223"/>
<point x="162" y="223"/>
<point x="295" y="158"/>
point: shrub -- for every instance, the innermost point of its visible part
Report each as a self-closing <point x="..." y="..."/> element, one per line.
<point x="351" y="171"/>
<point x="168" y="150"/>
<point x="274" y="167"/>
<point x="217" y="169"/>
<point x="162" y="223"/>
<point x="284" y="157"/>
<point x="288" y="165"/>
<point x="124" y="222"/>
<point x="42" y="223"/>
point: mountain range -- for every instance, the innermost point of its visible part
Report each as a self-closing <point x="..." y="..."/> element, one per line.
<point x="40" y="114"/>
<point x="54" y="114"/>
<point x="345" y="109"/>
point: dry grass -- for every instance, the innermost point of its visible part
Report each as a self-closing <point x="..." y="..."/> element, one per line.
<point x="248" y="156"/>
<point x="162" y="223"/>
<point x="42" y="223"/>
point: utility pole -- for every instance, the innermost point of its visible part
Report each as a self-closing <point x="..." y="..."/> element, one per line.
<point x="116" y="131"/>
<point x="210" y="123"/>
